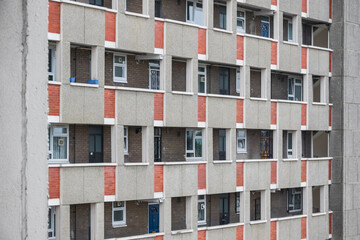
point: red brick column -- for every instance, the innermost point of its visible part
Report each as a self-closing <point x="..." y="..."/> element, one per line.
<point x="202" y="41"/>
<point x="202" y="235"/>
<point x="240" y="233"/>
<point x="303" y="171"/>
<point x="240" y="174"/>
<point x="304" y="57"/>
<point x="273" y="113"/>
<point x="109" y="103"/>
<point x="239" y="111"/>
<point x="54" y="100"/>
<point x="240" y="48"/>
<point x="273" y="230"/>
<point x="273" y="173"/>
<point x="109" y="180"/>
<point x="202" y="176"/>
<point x="303" y="115"/>
<point x="159" y="34"/>
<point x="54" y="182"/>
<point x="159" y="106"/>
<point x="158" y="178"/>
<point x="201" y="109"/>
<point x="54" y="17"/>
<point x="110" y="26"/>
<point x="274" y="53"/>
<point x="303" y="228"/>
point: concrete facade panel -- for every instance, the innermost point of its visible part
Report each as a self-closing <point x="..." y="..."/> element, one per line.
<point x="319" y="9"/>
<point x="181" y="110"/>
<point x="181" y="40"/>
<point x="257" y="114"/>
<point x="257" y="175"/>
<point x="226" y="108"/>
<point x="260" y="54"/>
<point x="94" y="27"/>
<point x="224" y="52"/>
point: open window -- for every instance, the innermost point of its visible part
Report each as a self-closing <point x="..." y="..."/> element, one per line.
<point x="306" y="144"/>
<point x="220" y="14"/>
<point x="286" y="202"/>
<point x="289" y="30"/>
<point x="51" y="223"/>
<point x="315" y="34"/>
<point x="254" y="144"/>
<point x="52" y="62"/>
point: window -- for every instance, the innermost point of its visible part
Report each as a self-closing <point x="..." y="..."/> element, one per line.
<point x="222" y="17"/>
<point x="237" y="203"/>
<point x="119" y="214"/>
<point x="119" y="68"/>
<point x="97" y="2"/>
<point x="202" y="209"/>
<point x="241" y="141"/>
<point x="158" y="8"/>
<point x="294" y="200"/>
<point x="58" y="144"/>
<point x="317" y="196"/>
<point x="256" y="83"/>
<point x="193" y="144"/>
<point x="126" y="140"/>
<point x="157" y="144"/>
<point x="289" y="145"/>
<point x="238" y="81"/>
<point x="240" y="21"/>
<point x="224" y="81"/>
<point x="255" y="205"/>
<point x="307" y="34"/>
<point x="154" y="75"/>
<point x="288" y="29"/>
<point x="52" y="63"/>
<point x="295" y="89"/>
<point x="222" y="144"/>
<point x="202" y="79"/>
<point x="51" y="223"/>
<point x="265" y="26"/>
<point x="194" y="12"/>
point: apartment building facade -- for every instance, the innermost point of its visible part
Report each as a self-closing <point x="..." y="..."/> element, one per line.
<point x="188" y="119"/>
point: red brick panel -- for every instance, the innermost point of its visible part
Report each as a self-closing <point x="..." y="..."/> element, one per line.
<point x="304" y="6"/>
<point x="109" y="102"/>
<point x="273" y="172"/>
<point x="159" y="106"/>
<point x="330" y="9"/>
<point x="240" y="48"/>
<point x="330" y="121"/>
<point x="329" y="169"/>
<point x="159" y="238"/>
<point x="303" y="58"/>
<point x="240" y="233"/>
<point x="303" y="171"/>
<point x="274" y="2"/>
<point x="110" y="26"/>
<point x="330" y="223"/>
<point x="202" y="41"/>
<point x="303" y="228"/>
<point x="240" y="174"/>
<point x="202" y="235"/>
<point x="303" y="114"/>
<point x="201" y="109"/>
<point x="158" y="178"/>
<point x="54" y="183"/>
<point x="159" y="34"/>
<point x="273" y="230"/>
<point x="240" y="111"/>
<point x="109" y="180"/>
<point x="54" y="100"/>
<point x="330" y="54"/>
<point x="273" y="113"/>
<point x="274" y="53"/>
<point x="202" y="176"/>
<point x="54" y="17"/>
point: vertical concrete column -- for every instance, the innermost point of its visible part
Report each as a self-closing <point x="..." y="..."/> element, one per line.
<point x="277" y="144"/>
<point x="307" y="200"/>
<point x="97" y="221"/>
<point x="165" y="73"/>
<point x="210" y="13"/>
<point x="97" y="64"/>
<point x="307" y="88"/>
<point x="119" y="148"/>
<point x="266" y="83"/>
<point x="246" y="201"/>
<point x="63" y="62"/>
<point x="297" y="145"/>
<point x="191" y="75"/>
<point x="205" y="12"/>
<point x="324" y="88"/>
<point x="191" y="212"/>
<point x="63" y="222"/>
<point x="230" y="12"/>
<point x="148" y="144"/>
<point x="151" y="8"/>
<point x="231" y="144"/>
<point x="161" y="216"/>
<point x="278" y="17"/>
<point x="297" y="30"/>
<point x="265" y="205"/>
<point x="210" y="153"/>
<point x="121" y="5"/>
<point x="247" y="81"/>
<point x="167" y="216"/>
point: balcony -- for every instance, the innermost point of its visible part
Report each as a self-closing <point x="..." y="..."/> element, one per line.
<point x="286" y="202"/>
<point x="254" y="144"/>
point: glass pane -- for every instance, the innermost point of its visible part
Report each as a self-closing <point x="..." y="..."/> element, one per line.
<point x="154" y="79"/>
<point x="59" y="130"/>
<point x="198" y="133"/>
<point x="200" y="197"/>
<point x="241" y="144"/>
<point x="59" y="147"/>
<point x="198" y="147"/>
<point x="201" y="82"/>
<point x="298" y="93"/>
<point x="49" y="218"/>
<point x="190" y="11"/>
<point x="190" y="155"/>
<point x="189" y="140"/>
<point x="291" y="85"/>
<point x="290" y="31"/>
<point x="201" y="69"/>
<point x="119" y="204"/>
<point x="290" y="141"/>
<point x="50" y="77"/>
<point x="98" y="147"/>
<point x="198" y="14"/>
<point x="118" y="215"/>
<point x="297" y="201"/>
<point x="119" y="59"/>
<point x="125" y="131"/>
<point x="91" y="143"/>
<point x="119" y="72"/>
<point x="241" y="134"/>
<point x="201" y="211"/>
<point x="125" y="145"/>
<point x="50" y="61"/>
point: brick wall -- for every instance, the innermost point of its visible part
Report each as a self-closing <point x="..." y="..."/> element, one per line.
<point x="273" y="119"/>
<point x="134" y="145"/>
<point x="109" y="180"/>
<point x="304" y="57"/>
<point x="274" y="53"/>
<point x="79" y="143"/>
<point x="279" y="86"/>
<point x="216" y="144"/>
<point x="213" y="80"/>
<point x="273" y="230"/>
<point x="202" y="176"/>
<point x="178" y="213"/>
<point x="253" y="145"/>
<point x="303" y="228"/>
<point x="54" y="183"/>
<point x="136" y="220"/>
<point x="303" y="115"/>
<point x="239" y="111"/>
<point x="134" y="6"/>
<point x="240" y="174"/>
<point x="80" y="222"/>
<point x="173" y="144"/>
<point x="158" y="106"/>
<point x="159" y="34"/>
<point x="137" y="73"/>
<point x="54" y="100"/>
<point x="240" y="47"/>
<point x="158" y="178"/>
<point x="279" y="204"/>
<point x="213" y="209"/>
<point x="110" y="26"/>
<point x="201" y="235"/>
<point x="201" y="109"/>
<point x="303" y="171"/>
<point x="178" y="76"/>
<point x="240" y="233"/>
<point x="80" y="64"/>
<point x="54" y="17"/>
<point x="175" y="10"/>
<point x="201" y="41"/>
<point x="109" y="103"/>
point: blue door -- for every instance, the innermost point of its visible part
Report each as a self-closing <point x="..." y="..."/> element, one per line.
<point x="265" y="27"/>
<point x="153" y="218"/>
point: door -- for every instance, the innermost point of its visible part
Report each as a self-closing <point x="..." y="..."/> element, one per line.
<point x="265" y="145"/>
<point x="95" y="144"/>
<point x="265" y="27"/>
<point x="224" y="81"/>
<point x="153" y="218"/>
<point x="224" y="209"/>
<point x="222" y="144"/>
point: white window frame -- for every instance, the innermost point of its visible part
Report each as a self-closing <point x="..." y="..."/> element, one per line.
<point x="241" y="138"/>
<point x="290" y="136"/>
<point x="293" y="193"/>
<point x="242" y="30"/>
<point x="53" y="62"/>
<point x="266" y="21"/>
<point x="292" y="30"/>
<point x="52" y="229"/>
<point x="238" y="81"/>
<point x="194" y="2"/>
<point x="123" y="65"/>
<point x="51" y="141"/>
<point x="153" y="67"/>
<point x="203" y="74"/>
<point x="294" y="78"/>
<point x="126" y="138"/>
<point x="237" y="208"/>
<point x="119" y="223"/>
<point x="203" y="201"/>
<point x="194" y="140"/>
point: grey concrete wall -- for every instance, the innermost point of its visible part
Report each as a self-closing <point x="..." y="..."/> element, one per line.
<point x="181" y="110"/>
<point x="23" y="110"/>
<point x="221" y="112"/>
<point x="289" y="229"/>
<point x="223" y="178"/>
<point x="180" y="180"/>
<point x="319" y="9"/>
<point x="293" y="7"/>
<point x="257" y="114"/>
<point x="224" y="52"/>
<point x="289" y="116"/>
<point x="318" y="117"/>
<point x="257" y="175"/>
<point x="318" y="63"/>
<point x="181" y="40"/>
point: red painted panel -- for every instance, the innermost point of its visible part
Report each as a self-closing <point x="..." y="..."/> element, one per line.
<point x="54" y="182"/>
<point x="202" y="41"/>
<point x="303" y="115"/>
<point x="202" y="235"/>
<point x="303" y="171"/>
<point x="240" y="111"/>
<point x="274" y="2"/>
<point x="201" y="109"/>
<point x="240" y="174"/>
<point x="304" y="6"/>
<point x="159" y="34"/>
<point x="240" y="48"/>
<point x="54" y="99"/>
<point x="274" y="53"/>
<point x="273" y="113"/>
<point x="158" y="179"/>
<point x="273" y="230"/>
<point x="303" y="228"/>
<point x="159" y="106"/>
<point x="110" y="26"/>
<point x="159" y="238"/>
<point x="109" y="103"/>
<point x="54" y="17"/>
<point x="109" y="180"/>
<point x="202" y="176"/>
<point x="240" y="233"/>
<point x="304" y="58"/>
<point x="273" y="172"/>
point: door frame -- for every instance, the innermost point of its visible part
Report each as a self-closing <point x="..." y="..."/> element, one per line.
<point x="149" y="215"/>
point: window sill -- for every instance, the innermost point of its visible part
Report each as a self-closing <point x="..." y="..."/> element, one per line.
<point x="257" y="160"/>
<point x="259" y="37"/>
<point x="134" y="89"/>
<point x="145" y="236"/>
<point x="288" y="218"/>
<point x="180" y="22"/>
<point x="89" y="6"/>
<point x="288" y="101"/>
<point x="70" y="165"/>
<point x="258" y="99"/>
<point x="230" y="225"/>
<point x="50" y="162"/>
<point x="241" y="152"/>
<point x="84" y="85"/>
<point x="317" y="159"/>
<point x="182" y="93"/>
<point x="258" y="222"/>
<point x="182" y="231"/>
<point x="136" y="164"/>
<point x="318" y="214"/>
<point x="222" y="30"/>
<point x="317" y="48"/>
<point x="319" y="104"/>
<point x="181" y="163"/>
<point x="54" y="83"/>
<point x="222" y="161"/>
<point x="240" y="34"/>
<point x="119" y="225"/>
<point x="291" y="43"/>
<point x="137" y="14"/>
<point x="120" y="81"/>
<point x="221" y="96"/>
<point x="290" y="159"/>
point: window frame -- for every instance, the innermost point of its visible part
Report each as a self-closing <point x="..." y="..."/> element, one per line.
<point x="194" y="158"/>
<point x="202" y="222"/>
<point x="194" y="2"/>
<point x="289" y="136"/>
<point x="241" y="18"/>
<point x="113" y="209"/>
<point x="154" y="67"/>
<point x="52" y="229"/>
<point x="126" y="140"/>
<point x="200" y="73"/>
<point x="241" y="138"/>
<point x="237" y="206"/>
<point x="292" y="30"/>
<point x="51" y="141"/>
<point x="294" y="84"/>
<point x="94" y="2"/>
<point x="266" y="22"/>
<point x="52" y="48"/>
<point x="238" y="81"/>
<point x="222" y="6"/>
<point x="293" y="193"/>
<point x="123" y="65"/>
